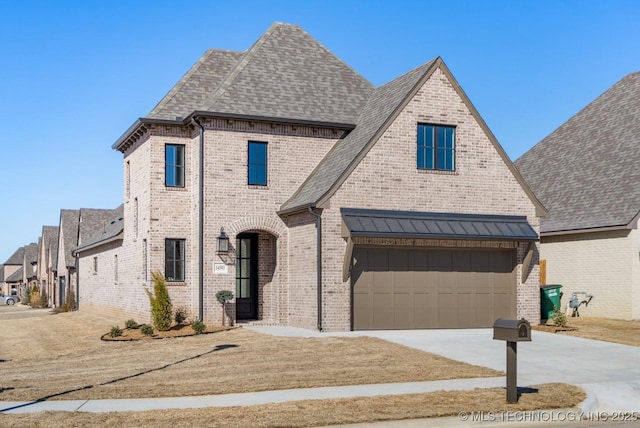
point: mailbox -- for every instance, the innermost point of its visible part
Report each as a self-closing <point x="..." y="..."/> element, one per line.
<point x="512" y="330"/>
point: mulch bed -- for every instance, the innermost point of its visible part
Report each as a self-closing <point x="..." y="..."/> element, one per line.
<point x="553" y="328"/>
<point x="181" y="330"/>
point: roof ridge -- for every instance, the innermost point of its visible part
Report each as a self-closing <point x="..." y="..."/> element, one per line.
<point x="240" y="65"/>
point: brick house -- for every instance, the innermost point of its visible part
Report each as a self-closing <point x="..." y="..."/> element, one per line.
<point x="47" y="248"/>
<point x="346" y="206"/>
<point x="586" y="173"/>
<point x="76" y="228"/>
<point x="98" y="257"/>
<point x="12" y="273"/>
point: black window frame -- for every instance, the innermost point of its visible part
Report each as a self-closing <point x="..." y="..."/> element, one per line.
<point x="431" y="151"/>
<point x="177" y="167"/>
<point x="251" y="165"/>
<point x="170" y="263"/>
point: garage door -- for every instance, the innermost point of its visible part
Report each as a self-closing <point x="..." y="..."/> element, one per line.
<point x="431" y="288"/>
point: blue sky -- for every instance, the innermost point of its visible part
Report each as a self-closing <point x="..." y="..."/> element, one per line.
<point x="74" y="75"/>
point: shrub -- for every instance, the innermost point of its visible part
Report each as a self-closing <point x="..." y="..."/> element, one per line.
<point x="198" y="327"/>
<point x="34" y="297"/>
<point x="161" y="309"/>
<point x="131" y="324"/>
<point x="223" y="296"/>
<point x="559" y="318"/>
<point x="181" y="315"/>
<point x="146" y="329"/>
<point x="26" y="298"/>
<point x="69" y="303"/>
<point x="115" y="331"/>
<point x="44" y="299"/>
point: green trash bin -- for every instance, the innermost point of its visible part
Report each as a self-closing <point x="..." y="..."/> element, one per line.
<point x="549" y="300"/>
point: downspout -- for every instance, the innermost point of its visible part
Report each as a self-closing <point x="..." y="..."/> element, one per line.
<point x="77" y="281"/>
<point x="318" y="262"/>
<point x="195" y="122"/>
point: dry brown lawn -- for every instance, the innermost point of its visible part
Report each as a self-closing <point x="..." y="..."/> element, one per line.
<point x="608" y="330"/>
<point x="61" y="357"/>
<point x="317" y="412"/>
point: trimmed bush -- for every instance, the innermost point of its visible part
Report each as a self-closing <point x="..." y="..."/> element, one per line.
<point x="180" y="315"/>
<point x="146" y="329"/>
<point x="115" y="331"/>
<point x="161" y="310"/>
<point x="131" y="324"/>
<point x="198" y="327"/>
<point x="223" y="296"/>
<point x="559" y="318"/>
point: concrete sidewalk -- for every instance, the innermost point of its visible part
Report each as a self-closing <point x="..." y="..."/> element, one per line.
<point x="250" y="398"/>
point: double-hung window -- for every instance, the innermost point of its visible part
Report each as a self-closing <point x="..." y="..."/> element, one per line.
<point x="174" y="260"/>
<point x="436" y="147"/>
<point x="174" y="165"/>
<point x="257" y="165"/>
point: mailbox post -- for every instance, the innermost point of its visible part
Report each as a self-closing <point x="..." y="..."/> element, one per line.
<point x="512" y="331"/>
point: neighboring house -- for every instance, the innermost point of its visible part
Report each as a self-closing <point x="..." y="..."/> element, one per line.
<point x="66" y="264"/>
<point x="97" y="258"/>
<point x="12" y="272"/>
<point x="346" y="206"/>
<point x="586" y="173"/>
<point x="47" y="247"/>
<point x="76" y="228"/>
<point x="30" y="266"/>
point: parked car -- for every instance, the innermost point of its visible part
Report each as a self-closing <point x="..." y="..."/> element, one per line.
<point x="8" y="300"/>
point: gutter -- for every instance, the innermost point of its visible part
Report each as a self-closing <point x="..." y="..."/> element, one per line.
<point x="318" y="262"/>
<point x="195" y="122"/>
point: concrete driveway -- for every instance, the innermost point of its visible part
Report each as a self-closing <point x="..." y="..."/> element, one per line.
<point x="608" y="372"/>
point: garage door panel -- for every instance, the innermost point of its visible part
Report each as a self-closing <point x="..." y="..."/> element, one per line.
<point x="432" y="288"/>
<point x="403" y="318"/>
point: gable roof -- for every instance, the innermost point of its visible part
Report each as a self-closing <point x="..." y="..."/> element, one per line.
<point x="49" y="240"/>
<point x="109" y="232"/>
<point x="15" y="277"/>
<point x="587" y="171"/>
<point x="69" y="230"/>
<point x="286" y="74"/>
<point x="382" y="103"/>
<point x="381" y="109"/>
<point x="16" y="258"/>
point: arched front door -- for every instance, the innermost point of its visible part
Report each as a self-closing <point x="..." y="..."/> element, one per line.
<point x="247" y="276"/>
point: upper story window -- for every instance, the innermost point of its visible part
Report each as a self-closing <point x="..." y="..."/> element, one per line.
<point x="436" y="147"/>
<point x="174" y="165"/>
<point x="257" y="165"/>
<point x="174" y="260"/>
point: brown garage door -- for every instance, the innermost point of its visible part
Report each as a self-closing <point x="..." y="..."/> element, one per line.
<point x="426" y="288"/>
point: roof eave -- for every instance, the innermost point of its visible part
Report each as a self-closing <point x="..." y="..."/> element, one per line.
<point x="272" y="119"/>
<point x="78" y="250"/>
<point x="139" y="127"/>
<point x="444" y="236"/>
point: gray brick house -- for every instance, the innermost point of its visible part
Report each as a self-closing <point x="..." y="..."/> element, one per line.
<point x="586" y="173"/>
<point x="347" y="206"/>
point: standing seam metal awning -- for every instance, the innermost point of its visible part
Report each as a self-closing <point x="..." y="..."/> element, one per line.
<point x="427" y="225"/>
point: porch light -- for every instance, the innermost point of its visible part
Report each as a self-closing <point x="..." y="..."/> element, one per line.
<point x="223" y="242"/>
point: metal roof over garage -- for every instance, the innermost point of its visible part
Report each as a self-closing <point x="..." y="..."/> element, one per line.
<point x="428" y="225"/>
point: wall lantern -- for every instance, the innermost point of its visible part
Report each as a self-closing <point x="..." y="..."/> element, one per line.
<point x="223" y="242"/>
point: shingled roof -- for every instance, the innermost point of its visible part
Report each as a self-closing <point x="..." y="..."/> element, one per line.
<point x="16" y="258"/>
<point x="69" y="230"/>
<point x="587" y="171"/>
<point x="49" y="241"/>
<point x="15" y="276"/>
<point x="109" y="231"/>
<point x="286" y="74"/>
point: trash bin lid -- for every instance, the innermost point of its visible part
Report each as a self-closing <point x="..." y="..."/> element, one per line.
<point x="550" y="286"/>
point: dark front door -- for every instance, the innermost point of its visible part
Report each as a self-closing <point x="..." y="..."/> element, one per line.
<point x="247" y="276"/>
<point x="62" y="289"/>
